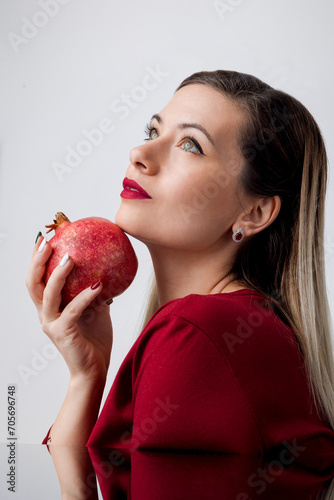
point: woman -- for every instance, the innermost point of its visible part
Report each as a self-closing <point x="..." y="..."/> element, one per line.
<point x="237" y="356"/>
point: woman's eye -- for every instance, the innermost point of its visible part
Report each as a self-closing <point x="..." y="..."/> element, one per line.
<point x="189" y="145"/>
<point x="192" y="146"/>
<point x="151" y="133"/>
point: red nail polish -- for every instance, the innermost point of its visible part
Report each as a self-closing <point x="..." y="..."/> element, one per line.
<point x="96" y="285"/>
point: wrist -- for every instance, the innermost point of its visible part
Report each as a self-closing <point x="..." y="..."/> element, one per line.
<point x="87" y="383"/>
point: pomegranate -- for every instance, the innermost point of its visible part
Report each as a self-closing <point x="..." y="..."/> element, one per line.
<point x="100" y="250"/>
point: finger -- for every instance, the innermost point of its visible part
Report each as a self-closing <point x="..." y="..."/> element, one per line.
<point x="34" y="280"/>
<point x="52" y="293"/>
<point x="73" y="311"/>
<point x="38" y="241"/>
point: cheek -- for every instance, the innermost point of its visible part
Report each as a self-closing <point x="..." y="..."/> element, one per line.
<point x="209" y="185"/>
<point x="211" y="199"/>
<point x="197" y="219"/>
<point x="209" y="210"/>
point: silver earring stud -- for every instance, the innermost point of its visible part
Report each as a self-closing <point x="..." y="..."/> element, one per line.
<point x="238" y="235"/>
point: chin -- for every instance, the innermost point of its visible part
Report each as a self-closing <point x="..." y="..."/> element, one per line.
<point x="126" y="223"/>
<point x="119" y="220"/>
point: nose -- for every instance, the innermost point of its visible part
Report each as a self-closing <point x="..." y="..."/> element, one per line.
<point x="143" y="158"/>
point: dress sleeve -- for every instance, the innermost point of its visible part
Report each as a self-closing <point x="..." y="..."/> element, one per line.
<point x="45" y="440"/>
<point x="185" y="396"/>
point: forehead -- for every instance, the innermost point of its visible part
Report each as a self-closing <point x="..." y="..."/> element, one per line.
<point x="210" y="108"/>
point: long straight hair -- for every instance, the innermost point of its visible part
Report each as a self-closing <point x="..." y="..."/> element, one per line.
<point x="284" y="155"/>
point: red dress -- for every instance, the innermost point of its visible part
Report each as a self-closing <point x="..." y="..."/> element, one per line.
<point x="216" y="373"/>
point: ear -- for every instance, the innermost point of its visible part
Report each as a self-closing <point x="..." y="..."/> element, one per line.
<point x="260" y="213"/>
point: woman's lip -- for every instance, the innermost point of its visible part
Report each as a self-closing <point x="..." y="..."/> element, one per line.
<point x="129" y="193"/>
<point x="130" y="183"/>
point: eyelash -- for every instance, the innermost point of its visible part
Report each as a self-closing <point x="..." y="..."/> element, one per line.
<point x="149" y="128"/>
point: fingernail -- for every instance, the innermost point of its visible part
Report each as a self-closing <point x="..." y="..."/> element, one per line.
<point x="39" y="234"/>
<point x="64" y="260"/>
<point x="110" y="301"/>
<point x="42" y="245"/>
<point x="96" y="285"/>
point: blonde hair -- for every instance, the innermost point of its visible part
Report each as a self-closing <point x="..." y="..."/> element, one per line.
<point x="284" y="155"/>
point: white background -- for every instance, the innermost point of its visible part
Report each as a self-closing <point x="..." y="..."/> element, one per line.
<point x="64" y="79"/>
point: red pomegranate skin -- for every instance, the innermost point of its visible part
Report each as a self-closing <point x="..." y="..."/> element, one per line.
<point x="100" y="250"/>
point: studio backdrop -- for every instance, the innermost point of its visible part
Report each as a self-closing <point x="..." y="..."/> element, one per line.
<point x="79" y="82"/>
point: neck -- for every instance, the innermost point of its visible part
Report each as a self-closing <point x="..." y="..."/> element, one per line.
<point x="179" y="272"/>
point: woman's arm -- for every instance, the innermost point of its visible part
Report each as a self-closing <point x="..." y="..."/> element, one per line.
<point x="78" y="413"/>
<point x="75" y="472"/>
<point x="84" y="341"/>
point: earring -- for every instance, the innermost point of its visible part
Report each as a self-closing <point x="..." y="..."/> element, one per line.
<point x="238" y="235"/>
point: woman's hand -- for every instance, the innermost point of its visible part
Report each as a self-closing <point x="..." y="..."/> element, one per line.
<point x="82" y="331"/>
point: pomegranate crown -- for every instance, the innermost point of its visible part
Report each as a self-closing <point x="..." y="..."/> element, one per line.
<point x="60" y="219"/>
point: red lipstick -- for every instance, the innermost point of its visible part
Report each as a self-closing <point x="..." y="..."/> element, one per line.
<point x="133" y="190"/>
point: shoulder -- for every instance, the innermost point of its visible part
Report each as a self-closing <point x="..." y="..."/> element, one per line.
<point x="204" y="309"/>
<point x="240" y="329"/>
<point x="237" y="332"/>
<point x="225" y="351"/>
<point x="228" y="320"/>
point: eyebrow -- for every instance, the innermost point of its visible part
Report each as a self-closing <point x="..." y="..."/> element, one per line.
<point x="158" y="118"/>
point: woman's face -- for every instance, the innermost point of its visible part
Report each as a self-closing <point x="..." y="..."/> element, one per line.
<point x="188" y="166"/>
